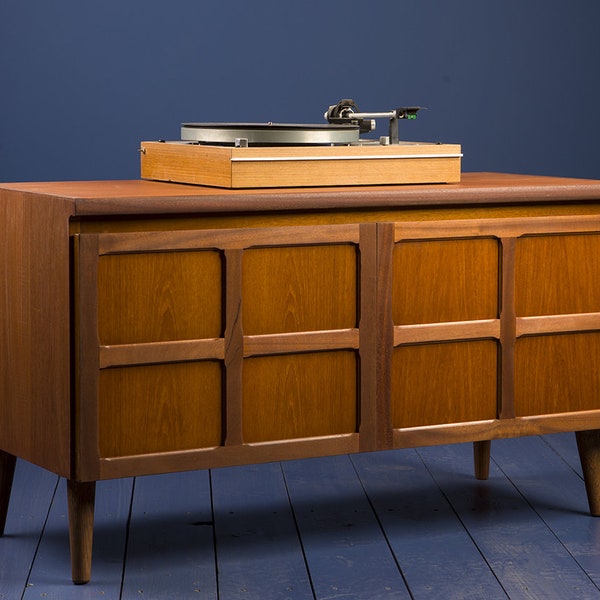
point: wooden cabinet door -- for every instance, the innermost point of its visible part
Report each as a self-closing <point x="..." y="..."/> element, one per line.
<point x="214" y="347"/>
<point x="496" y="327"/>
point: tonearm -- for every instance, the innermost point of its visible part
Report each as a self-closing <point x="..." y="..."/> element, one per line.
<point x="346" y="111"/>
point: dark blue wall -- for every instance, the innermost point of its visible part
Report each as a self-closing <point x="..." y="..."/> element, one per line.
<point x="516" y="82"/>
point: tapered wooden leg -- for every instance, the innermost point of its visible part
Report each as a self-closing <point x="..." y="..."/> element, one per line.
<point x="7" y="473"/>
<point x="481" y="455"/>
<point x="588" y="444"/>
<point x="81" y="496"/>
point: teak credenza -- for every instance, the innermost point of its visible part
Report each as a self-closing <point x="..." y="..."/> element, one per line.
<point x="152" y="327"/>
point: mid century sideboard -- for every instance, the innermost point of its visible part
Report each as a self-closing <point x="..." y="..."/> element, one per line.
<point x="152" y="327"/>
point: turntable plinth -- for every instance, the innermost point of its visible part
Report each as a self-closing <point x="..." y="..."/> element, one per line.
<point x="300" y="166"/>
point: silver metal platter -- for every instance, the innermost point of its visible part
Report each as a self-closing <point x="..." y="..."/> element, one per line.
<point x="270" y="134"/>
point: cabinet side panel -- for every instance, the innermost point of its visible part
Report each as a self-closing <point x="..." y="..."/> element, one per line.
<point x="35" y="329"/>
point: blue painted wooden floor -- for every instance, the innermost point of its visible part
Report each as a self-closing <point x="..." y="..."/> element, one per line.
<point x="401" y="524"/>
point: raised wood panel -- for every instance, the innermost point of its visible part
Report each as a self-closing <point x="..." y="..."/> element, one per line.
<point x="557" y="374"/>
<point x="438" y="281"/>
<point x="444" y="383"/>
<point x="557" y="274"/>
<point x="300" y="395"/>
<point x="162" y="296"/>
<point x="301" y="288"/>
<point x="160" y="408"/>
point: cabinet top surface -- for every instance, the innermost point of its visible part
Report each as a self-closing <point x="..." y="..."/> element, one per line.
<point x="89" y="198"/>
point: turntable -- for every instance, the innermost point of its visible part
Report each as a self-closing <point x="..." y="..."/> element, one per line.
<point x="335" y="153"/>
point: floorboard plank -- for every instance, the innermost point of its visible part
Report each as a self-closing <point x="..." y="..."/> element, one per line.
<point x="259" y="556"/>
<point x="433" y="549"/>
<point x="51" y="574"/>
<point x="565" y="445"/>
<point x="346" y="551"/>
<point x="556" y="493"/>
<point x="526" y="557"/>
<point x="32" y="492"/>
<point x="170" y="552"/>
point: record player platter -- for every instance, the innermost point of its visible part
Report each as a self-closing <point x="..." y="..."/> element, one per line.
<point x="270" y="134"/>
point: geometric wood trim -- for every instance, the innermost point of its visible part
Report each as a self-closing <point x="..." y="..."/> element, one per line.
<point x="87" y="359"/>
<point x="496" y="227"/>
<point x="506" y="409"/>
<point x="549" y="324"/>
<point x="225" y="239"/>
<point x="309" y="341"/>
<point x="368" y="342"/>
<point x="161" y="352"/>
<point x="122" y="355"/>
<point x="444" y="332"/>
<point x="493" y="429"/>
<point x="376" y="334"/>
<point x="234" y="348"/>
<point x="228" y="455"/>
